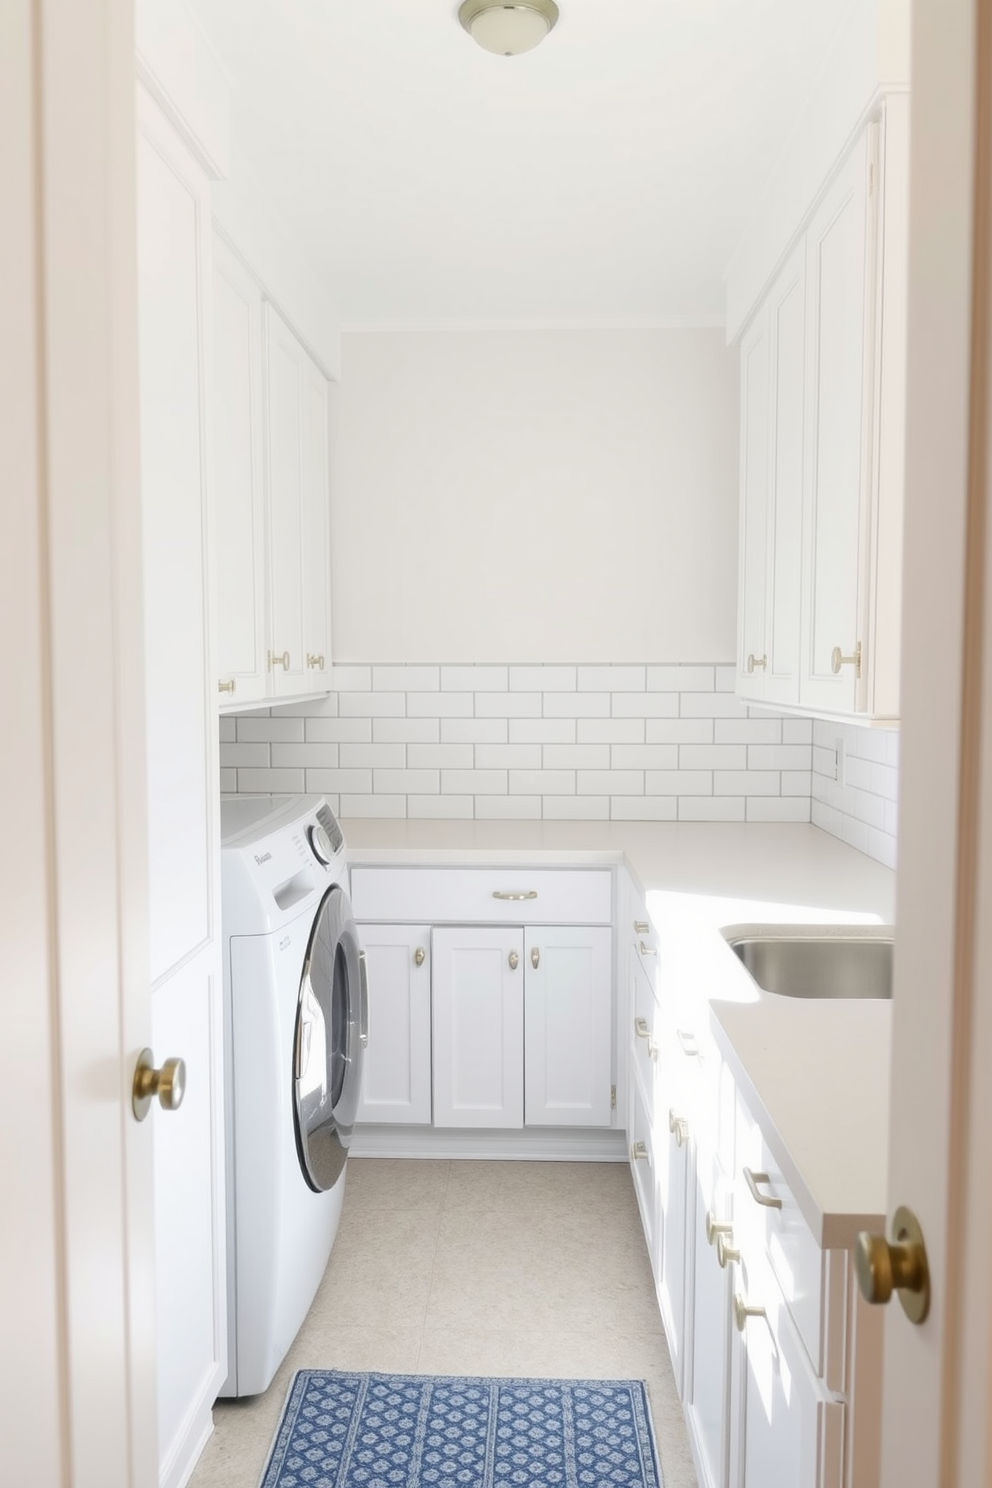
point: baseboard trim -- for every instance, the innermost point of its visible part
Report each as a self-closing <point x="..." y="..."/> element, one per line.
<point x="532" y="1144"/>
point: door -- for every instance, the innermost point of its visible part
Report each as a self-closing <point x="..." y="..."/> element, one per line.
<point x="568" y="1026"/>
<point x="937" y="1374"/>
<point x="397" y="1085"/>
<point x="840" y="271"/>
<point x="239" y="514"/>
<point x="77" y="1402"/>
<point x="174" y="277"/>
<point x="478" y="1038"/>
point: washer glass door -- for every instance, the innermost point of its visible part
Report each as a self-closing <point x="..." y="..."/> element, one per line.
<point x="329" y="1042"/>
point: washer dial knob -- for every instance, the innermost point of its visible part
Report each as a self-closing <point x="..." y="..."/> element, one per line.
<point x="320" y="844"/>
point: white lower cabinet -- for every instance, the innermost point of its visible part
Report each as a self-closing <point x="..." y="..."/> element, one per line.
<point x="707" y="1383"/>
<point x="478" y="1027"/>
<point x="397" y="1082"/>
<point x="475" y="1026"/>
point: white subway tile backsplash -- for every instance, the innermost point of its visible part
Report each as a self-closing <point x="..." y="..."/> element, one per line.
<point x="478" y="730"/>
<point x="372" y="704"/>
<point x="567" y="742"/>
<point x="271" y="782"/>
<point x="271" y="730"/>
<point x="351" y="678"/>
<point x="711" y="808"/>
<point x="681" y="679"/>
<point x="439" y="704"/>
<point x="508" y="756"/>
<point x="406" y="782"/>
<point x="577" y="756"/>
<point x="747" y="730"/>
<point x="611" y="678"/>
<point x="576" y="808"/>
<point x="372" y="756"/>
<point x="542" y="730"/>
<point x="508" y="808"/>
<point x="406" y="678"/>
<point x="644" y="757"/>
<point x="542" y="782"/>
<point x="746" y="783"/>
<point x="439" y="807"/>
<point x="473" y="782"/>
<point x="610" y="730"/>
<point x="507" y="705"/>
<point x="610" y="782"/>
<point x="440" y="756"/>
<point x="338" y="730"/>
<point x="778" y="809"/>
<point x="643" y="808"/>
<point x="645" y="704"/>
<point x="306" y="756"/>
<point x="713" y="756"/>
<point x="474" y="678"/>
<point x="577" y="705"/>
<point x="406" y="730"/>
<point x="542" y="678"/>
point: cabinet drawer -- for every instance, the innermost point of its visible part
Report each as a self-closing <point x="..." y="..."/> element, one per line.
<point x="806" y="1275"/>
<point x="501" y="896"/>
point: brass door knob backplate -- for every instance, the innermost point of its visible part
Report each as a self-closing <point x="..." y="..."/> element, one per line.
<point x="899" y="1265"/>
<point x="168" y="1084"/>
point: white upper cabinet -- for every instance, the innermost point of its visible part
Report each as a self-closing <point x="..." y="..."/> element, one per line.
<point x="270" y="501"/>
<point x="840" y="246"/>
<point x="296" y="470"/>
<point x="238" y="493"/>
<point x="822" y="426"/>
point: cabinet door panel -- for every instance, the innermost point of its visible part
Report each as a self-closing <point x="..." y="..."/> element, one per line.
<point x="754" y="498"/>
<point x="284" y="460"/>
<point x="397" y="1080"/>
<point x="316" y="547"/>
<point x="568" y="1022"/>
<point x="478" y="1028"/>
<point x="838" y="433"/>
<point x="238" y="492"/>
<point x="707" y="1392"/>
<point x="787" y="346"/>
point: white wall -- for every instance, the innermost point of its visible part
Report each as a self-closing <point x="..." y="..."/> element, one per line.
<point x="535" y="496"/>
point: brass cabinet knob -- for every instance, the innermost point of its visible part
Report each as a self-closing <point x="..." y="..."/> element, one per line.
<point x="275" y="659"/>
<point x="899" y="1265"/>
<point x="514" y="960"/>
<point x="167" y="1083"/>
<point x="679" y="1128"/>
<point x="316" y="663"/>
<point x="642" y="927"/>
<point x="638" y="1149"/>
<point x="642" y="1030"/>
<point x="714" y="1228"/>
<point x="228" y="686"/>
<point x="838" y="660"/>
<point x="725" y="1252"/>
<point x="756" y="663"/>
<point x="419" y="956"/>
<point x="742" y="1312"/>
<point x="535" y="958"/>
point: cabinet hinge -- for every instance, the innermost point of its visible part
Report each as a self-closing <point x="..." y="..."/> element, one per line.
<point x="613" y="1097"/>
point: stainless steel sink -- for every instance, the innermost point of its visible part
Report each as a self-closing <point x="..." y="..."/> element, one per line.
<point x="807" y="961"/>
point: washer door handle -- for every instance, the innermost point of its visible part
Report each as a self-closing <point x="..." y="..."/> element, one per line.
<point x="363" y="1011"/>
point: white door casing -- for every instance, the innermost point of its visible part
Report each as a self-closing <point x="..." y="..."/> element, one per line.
<point x="77" y="1380"/>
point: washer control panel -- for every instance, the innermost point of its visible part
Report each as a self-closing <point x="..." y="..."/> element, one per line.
<point x="320" y="844"/>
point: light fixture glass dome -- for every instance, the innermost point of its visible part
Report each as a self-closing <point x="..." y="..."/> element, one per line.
<point x="508" y="30"/>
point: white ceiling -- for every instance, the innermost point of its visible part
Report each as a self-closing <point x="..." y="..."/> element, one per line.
<point x="604" y="177"/>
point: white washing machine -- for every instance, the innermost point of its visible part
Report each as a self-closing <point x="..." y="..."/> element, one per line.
<point x="296" y="1020"/>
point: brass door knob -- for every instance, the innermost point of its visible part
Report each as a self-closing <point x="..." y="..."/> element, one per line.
<point x="742" y="1312"/>
<point x="899" y="1265"/>
<point x="167" y="1083"/>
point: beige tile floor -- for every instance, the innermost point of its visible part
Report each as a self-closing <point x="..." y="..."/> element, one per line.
<point x="475" y="1268"/>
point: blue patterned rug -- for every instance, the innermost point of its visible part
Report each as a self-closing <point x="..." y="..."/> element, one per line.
<point x="342" y="1430"/>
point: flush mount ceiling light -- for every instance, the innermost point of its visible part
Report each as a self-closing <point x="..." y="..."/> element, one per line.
<point x="508" y="29"/>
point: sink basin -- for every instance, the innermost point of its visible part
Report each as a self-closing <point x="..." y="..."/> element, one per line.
<point x="806" y="962"/>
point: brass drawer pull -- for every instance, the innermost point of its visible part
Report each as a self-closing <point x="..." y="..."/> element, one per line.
<point x="642" y="927"/>
<point x="767" y="1201"/>
<point x="642" y="1030"/>
<point x="500" y="894"/>
<point x="688" y="1042"/>
<point x="647" y="950"/>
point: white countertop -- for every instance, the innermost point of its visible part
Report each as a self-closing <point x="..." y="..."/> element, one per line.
<point x="816" y="1074"/>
